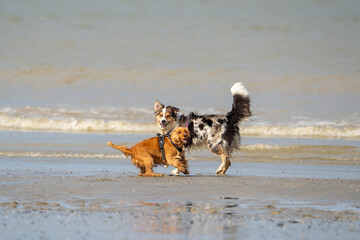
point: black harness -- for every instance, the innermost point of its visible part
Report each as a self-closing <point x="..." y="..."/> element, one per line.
<point x="162" y="142"/>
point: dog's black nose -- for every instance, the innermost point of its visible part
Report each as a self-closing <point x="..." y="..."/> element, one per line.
<point x="185" y="136"/>
<point x="163" y="121"/>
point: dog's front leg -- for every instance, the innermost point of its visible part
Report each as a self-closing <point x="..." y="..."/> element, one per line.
<point x="175" y="171"/>
<point x="180" y="165"/>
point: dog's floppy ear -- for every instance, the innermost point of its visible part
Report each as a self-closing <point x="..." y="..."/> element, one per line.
<point x="158" y="106"/>
<point x="175" y="136"/>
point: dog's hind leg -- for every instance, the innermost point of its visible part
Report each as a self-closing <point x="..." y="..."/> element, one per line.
<point x="225" y="158"/>
<point x="149" y="171"/>
<point x="224" y="165"/>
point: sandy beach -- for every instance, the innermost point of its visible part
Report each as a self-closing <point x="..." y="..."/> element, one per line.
<point x="71" y="185"/>
<point x="111" y="205"/>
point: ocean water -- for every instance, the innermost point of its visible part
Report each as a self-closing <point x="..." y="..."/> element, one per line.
<point x="97" y="67"/>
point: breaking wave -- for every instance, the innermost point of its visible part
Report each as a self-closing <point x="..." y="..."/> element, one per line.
<point x="61" y="155"/>
<point x="74" y="125"/>
<point x="303" y="131"/>
<point x="134" y="120"/>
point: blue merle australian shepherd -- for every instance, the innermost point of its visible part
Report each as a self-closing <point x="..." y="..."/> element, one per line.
<point x="220" y="132"/>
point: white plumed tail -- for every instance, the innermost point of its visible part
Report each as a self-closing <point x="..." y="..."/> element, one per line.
<point x="239" y="89"/>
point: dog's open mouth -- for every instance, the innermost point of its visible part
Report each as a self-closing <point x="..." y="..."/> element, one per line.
<point x="163" y="125"/>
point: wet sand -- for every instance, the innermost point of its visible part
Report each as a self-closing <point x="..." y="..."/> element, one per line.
<point x="72" y="186"/>
<point x="45" y="204"/>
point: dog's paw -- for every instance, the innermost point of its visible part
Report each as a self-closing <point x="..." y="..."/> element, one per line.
<point x="175" y="172"/>
<point x="220" y="172"/>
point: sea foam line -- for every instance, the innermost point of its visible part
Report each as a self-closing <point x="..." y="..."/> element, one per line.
<point x="304" y="131"/>
<point x="61" y="155"/>
<point x="73" y="125"/>
<point x="114" y="126"/>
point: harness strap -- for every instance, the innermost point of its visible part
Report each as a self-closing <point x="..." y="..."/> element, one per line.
<point x="162" y="142"/>
<point x="179" y="149"/>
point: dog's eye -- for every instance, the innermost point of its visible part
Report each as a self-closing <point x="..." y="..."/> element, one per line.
<point x="179" y="132"/>
<point x="161" y="115"/>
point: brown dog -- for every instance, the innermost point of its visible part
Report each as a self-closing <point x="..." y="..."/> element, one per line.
<point x="147" y="154"/>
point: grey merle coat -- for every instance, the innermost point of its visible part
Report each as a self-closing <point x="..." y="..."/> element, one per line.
<point x="218" y="132"/>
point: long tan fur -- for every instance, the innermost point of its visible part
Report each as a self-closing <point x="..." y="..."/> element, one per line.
<point x="147" y="154"/>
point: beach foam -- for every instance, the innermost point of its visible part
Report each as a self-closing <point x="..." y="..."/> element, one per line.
<point x="303" y="131"/>
<point x="61" y="155"/>
<point x="73" y="125"/>
<point x="100" y="125"/>
<point x="136" y="120"/>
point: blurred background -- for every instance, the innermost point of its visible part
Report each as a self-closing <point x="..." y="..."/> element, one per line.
<point x="63" y="63"/>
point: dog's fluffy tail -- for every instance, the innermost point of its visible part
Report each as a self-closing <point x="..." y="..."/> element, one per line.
<point x="124" y="149"/>
<point x="241" y="104"/>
